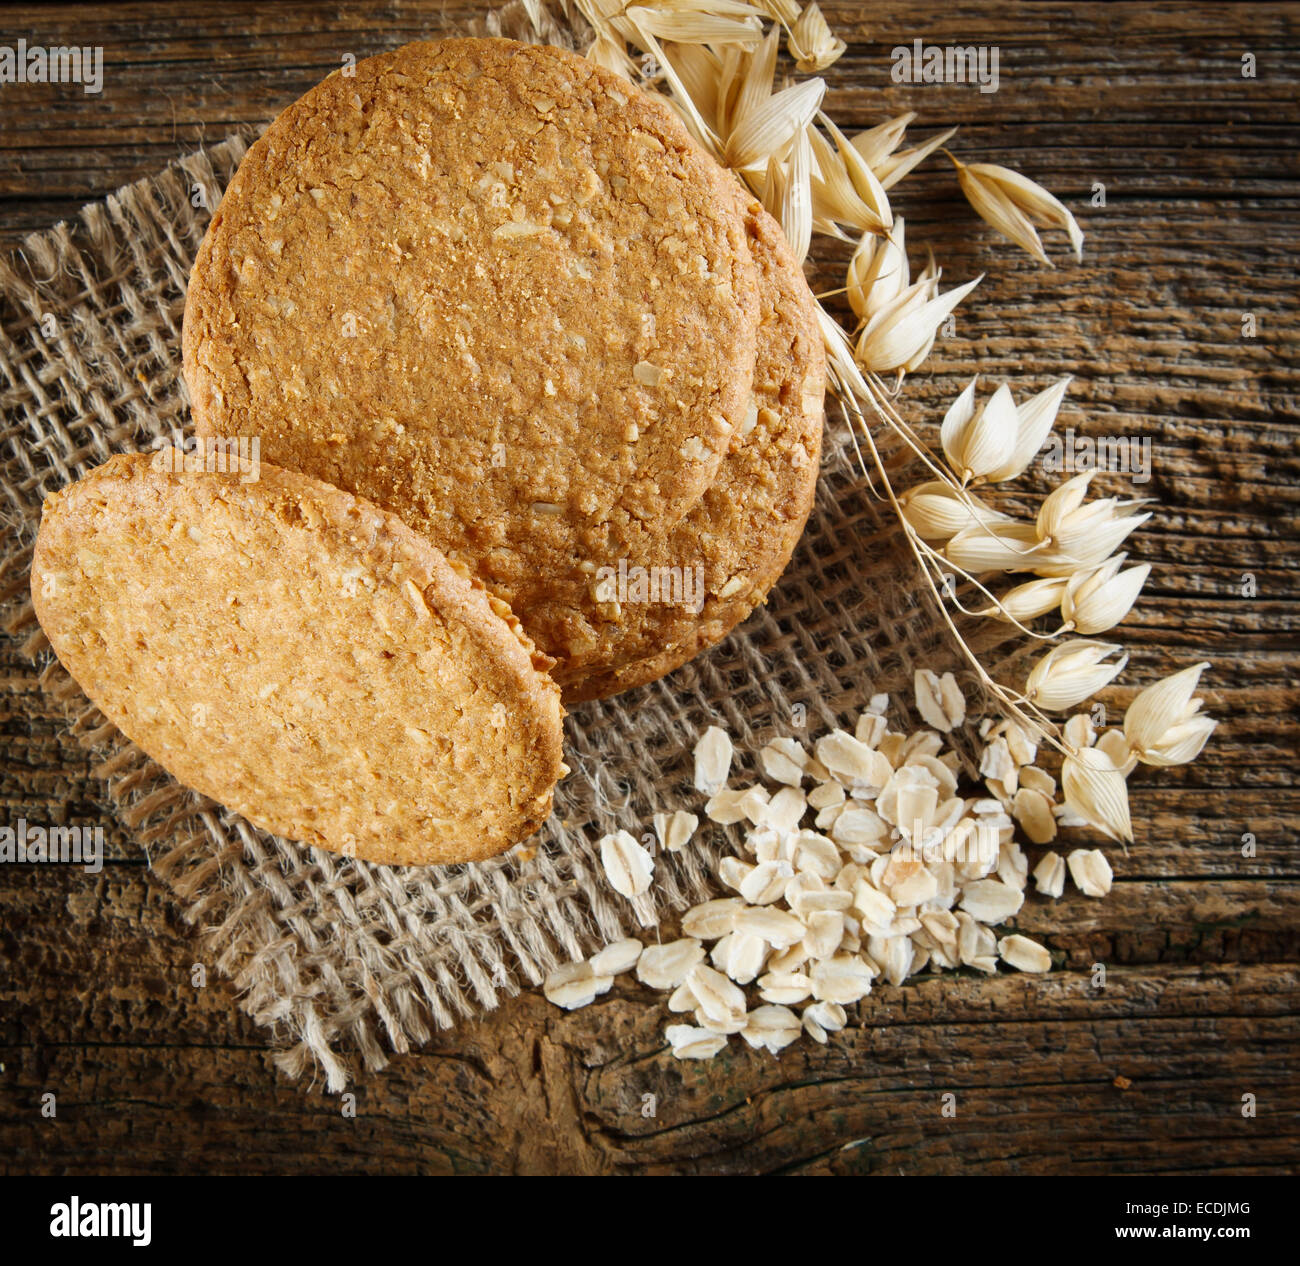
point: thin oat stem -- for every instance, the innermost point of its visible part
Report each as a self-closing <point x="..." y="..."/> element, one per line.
<point x="885" y="407"/>
<point x="1010" y="700"/>
<point x="937" y="560"/>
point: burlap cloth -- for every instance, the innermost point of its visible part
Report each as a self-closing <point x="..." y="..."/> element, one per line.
<point x="338" y="958"/>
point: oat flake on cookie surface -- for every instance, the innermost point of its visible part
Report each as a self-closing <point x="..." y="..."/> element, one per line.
<point x="491" y="287"/>
<point x="302" y="657"/>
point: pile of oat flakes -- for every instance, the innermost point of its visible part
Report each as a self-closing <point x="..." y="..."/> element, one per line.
<point x="861" y="860"/>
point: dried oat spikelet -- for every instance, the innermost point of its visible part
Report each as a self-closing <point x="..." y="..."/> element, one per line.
<point x="1094" y="789"/>
<point x="938" y="511"/>
<point x="1062" y="503"/>
<point x="685" y="25"/>
<point x="877" y="146"/>
<point x="744" y="80"/>
<point x="892" y="339"/>
<point x="533" y="8"/>
<point x="1074" y="535"/>
<point x="699" y="70"/>
<point x="977" y="441"/>
<point x="1072" y="672"/>
<point x="1010" y="437"/>
<point x="847" y="165"/>
<point x="1013" y="204"/>
<point x="770" y="128"/>
<point x="1034" y="421"/>
<point x="1097" y="599"/>
<point x="1029" y="601"/>
<point x="994" y="546"/>
<point x="1164" y="725"/>
<point x="606" y="17"/>
<point x="878" y="271"/>
<point x="812" y="43"/>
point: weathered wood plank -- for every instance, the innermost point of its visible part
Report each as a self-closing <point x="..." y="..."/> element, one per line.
<point x="1200" y="944"/>
<point x="525" y="1091"/>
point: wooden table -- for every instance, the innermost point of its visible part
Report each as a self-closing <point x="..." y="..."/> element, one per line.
<point x="1199" y="232"/>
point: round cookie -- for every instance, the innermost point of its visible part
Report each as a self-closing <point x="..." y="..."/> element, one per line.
<point x="302" y="657"/>
<point x="735" y="544"/>
<point x="489" y="286"/>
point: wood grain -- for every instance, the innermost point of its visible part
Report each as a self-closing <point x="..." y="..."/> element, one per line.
<point x="1200" y="943"/>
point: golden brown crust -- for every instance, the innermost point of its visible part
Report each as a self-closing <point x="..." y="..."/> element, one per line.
<point x="302" y="657"/>
<point x="448" y="283"/>
<point x="744" y="529"/>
